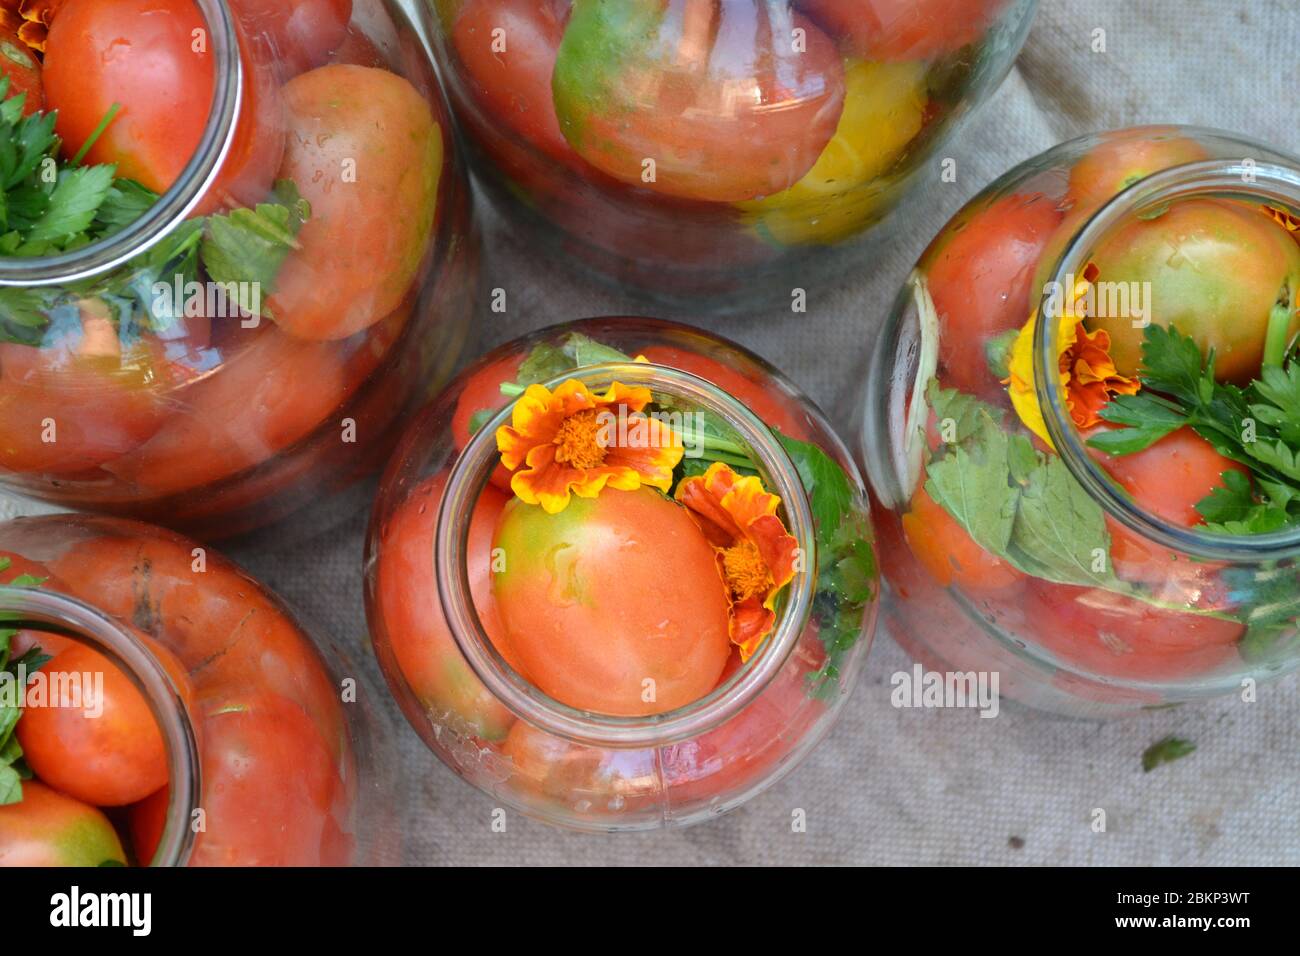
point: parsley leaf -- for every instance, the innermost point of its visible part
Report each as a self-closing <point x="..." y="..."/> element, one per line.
<point x="1166" y="750"/>
<point x="245" y="248"/>
<point x="13" y="771"/>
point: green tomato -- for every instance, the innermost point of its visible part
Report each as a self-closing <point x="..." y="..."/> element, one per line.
<point x="1216" y="269"/>
<point x="47" y="828"/>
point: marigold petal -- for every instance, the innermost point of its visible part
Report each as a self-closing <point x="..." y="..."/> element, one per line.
<point x="750" y="623"/>
<point x="712" y="518"/>
<point x="778" y="547"/>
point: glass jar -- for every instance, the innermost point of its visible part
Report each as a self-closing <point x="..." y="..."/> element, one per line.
<point x="262" y="753"/>
<point x="1025" y="528"/>
<point x="270" y="284"/>
<point x="713" y="154"/>
<point x="434" y="590"/>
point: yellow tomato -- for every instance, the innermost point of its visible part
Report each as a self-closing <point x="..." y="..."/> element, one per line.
<point x="884" y="107"/>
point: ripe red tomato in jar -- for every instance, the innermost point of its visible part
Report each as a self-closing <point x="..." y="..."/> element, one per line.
<point x="714" y="94"/>
<point x="1167" y="479"/>
<point x="153" y="58"/>
<point x="609" y="594"/>
<point x="103" y="746"/>
<point x="513" y="84"/>
<point x="406" y="594"/>
<point x="1213" y="269"/>
<point x="980" y="278"/>
<point x="481" y="395"/>
<point x="1110" y="635"/>
<point x="949" y="553"/>
<point x="146" y="821"/>
<point x="606" y="781"/>
<point x="893" y="30"/>
<point x="18" y="63"/>
<point x="48" y="828"/>
<point x="65" y="410"/>
<point x="303" y="33"/>
<point x="768" y="403"/>
<point x="367" y="154"/>
<point x="269" y="393"/>
<point x="1125" y="157"/>
<point x="268" y="783"/>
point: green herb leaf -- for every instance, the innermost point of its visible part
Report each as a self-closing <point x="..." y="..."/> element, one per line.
<point x="245" y="248"/>
<point x="1060" y="531"/>
<point x="1166" y="750"/>
<point x="73" y="205"/>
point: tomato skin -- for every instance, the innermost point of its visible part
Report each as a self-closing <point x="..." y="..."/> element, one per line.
<point x="949" y="553"/>
<point x="140" y="54"/>
<point x="1167" y="479"/>
<point x="1125" y="157"/>
<point x="773" y="407"/>
<point x="980" y="277"/>
<point x="482" y="393"/>
<point x="514" y="86"/>
<point x="268" y="395"/>
<point x="742" y="118"/>
<point x="48" y="828"/>
<point x="893" y="30"/>
<point x="268" y="784"/>
<point x="357" y="256"/>
<point x="1215" y="270"/>
<point x="303" y="33"/>
<point x="1110" y="635"/>
<point x="406" y="593"/>
<point x="146" y="821"/>
<point x="100" y="406"/>
<point x="18" y="63"/>
<point x="595" y="653"/>
<point x="109" y="760"/>
<point x="552" y="768"/>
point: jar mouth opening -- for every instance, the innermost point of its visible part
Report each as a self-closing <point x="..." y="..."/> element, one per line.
<point x="172" y="207"/>
<point x="470" y="474"/>
<point x="35" y="608"/>
<point x="1271" y="183"/>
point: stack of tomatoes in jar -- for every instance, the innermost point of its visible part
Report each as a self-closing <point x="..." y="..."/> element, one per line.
<point x="234" y="253"/>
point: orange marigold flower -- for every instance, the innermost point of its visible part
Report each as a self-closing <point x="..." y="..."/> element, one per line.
<point x="573" y="441"/>
<point x="30" y="19"/>
<point x="1283" y="217"/>
<point x="1088" y="373"/>
<point x="756" y="555"/>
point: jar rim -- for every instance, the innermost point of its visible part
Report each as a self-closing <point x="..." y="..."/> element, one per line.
<point x="174" y="205"/>
<point x="470" y="474"/>
<point x="68" y="616"/>
<point x="1236" y="178"/>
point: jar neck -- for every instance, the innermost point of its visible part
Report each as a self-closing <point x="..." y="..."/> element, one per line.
<point x="469" y="476"/>
<point x="40" y="609"/>
<point x="1269" y="183"/>
<point x="179" y="201"/>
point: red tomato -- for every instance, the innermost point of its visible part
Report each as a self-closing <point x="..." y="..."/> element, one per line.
<point x="482" y="393"/>
<point x="358" y="49"/>
<point x="980" y="273"/>
<point x="303" y="33"/>
<point x="271" y="393"/>
<point x="735" y="756"/>
<point x="1168" y="480"/>
<point x="153" y="58"/>
<point x="102" y="746"/>
<point x="776" y="408"/>
<point x="406" y="594"/>
<point x="216" y="621"/>
<point x="716" y="95"/>
<point x="366" y="152"/>
<point x="949" y="553"/>
<point x="513" y="85"/>
<point x="1212" y="269"/>
<point x="585" y="632"/>
<point x="1109" y="635"/>
<point x="894" y="30"/>
<point x="1124" y="157"/>
<point x="604" y="782"/>
<point x="146" y="821"/>
<point x="268" y="784"/>
<point x="24" y="72"/>
<point x="47" y="828"/>
<point x="66" y="409"/>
